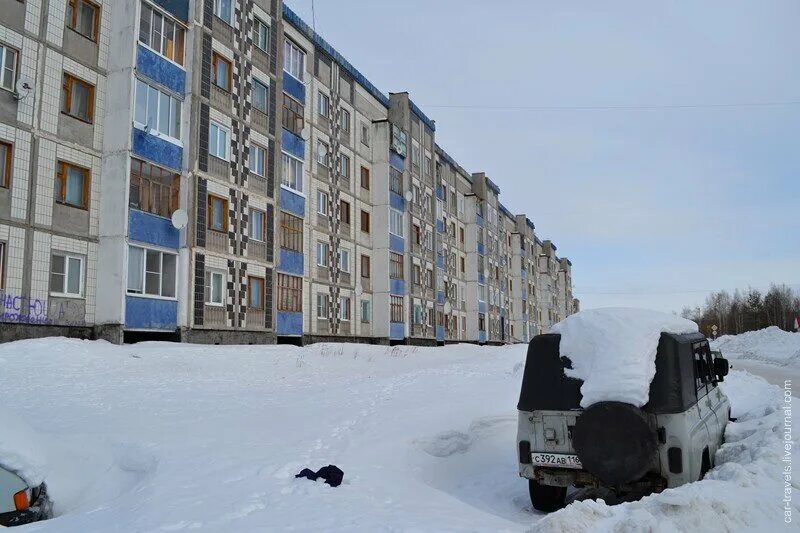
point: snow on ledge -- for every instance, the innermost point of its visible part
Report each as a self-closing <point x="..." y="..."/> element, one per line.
<point x="613" y="350"/>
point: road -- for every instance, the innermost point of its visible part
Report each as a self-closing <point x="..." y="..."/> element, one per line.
<point x="772" y="373"/>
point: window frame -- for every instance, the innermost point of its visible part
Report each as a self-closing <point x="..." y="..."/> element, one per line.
<point x="148" y="182"/>
<point x="4" y="53"/>
<point x="396" y="266"/>
<point x="344" y="212"/>
<point x="366" y="260"/>
<point x="144" y="272"/>
<point x="252" y="213"/>
<point x="345" y="305"/>
<point x="71" y="18"/>
<point x="256" y="83"/>
<point x="293" y="117"/>
<point x="344" y="120"/>
<point x="292" y="48"/>
<point x="62" y="180"/>
<point x="323" y="311"/>
<point x="344" y="265"/>
<point x="173" y="119"/>
<point x="325" y="162"/>
<point x="7" y="165"/>
<point x="68" y="82"/>
<point x="396" y="225"/>
<point x="254" y="149"/>
<point x="365" y="216"/>
<point x="344" y="166"/>
<point x="365" y="133"/>
<point x="216" y="58"/>
<point x="295" y="164"/>
<point x="258" y="22"/>
<point x="209" y="292"/>
<point x="291" y="232"/>
<point x="366" y="317"/>
<point x="251" y="280"/>
<point x="65" y="288"/>
<point x="3" y="251"/>
<point x="396" y="309"/>
<point x="212" y="198"/>
<point x="365" y="174"/>
<point x="323" y="259"/>
<point x="180" y="38"/>
<point x="217" y="9"/>
<point x="289" y="294"/>
<point x="220" y="129"/>
<point x="320" y="195"/>
<point x="323" y="98"/>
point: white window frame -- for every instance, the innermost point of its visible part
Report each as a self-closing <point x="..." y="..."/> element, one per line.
<point x="364" y="133"/>
<point x="322" y="198"/>
<point x="8" y="55"/>
<point x="342" y="308"/>
<point x="366" y="312"/>
<point x="295" y="59"/>
<point x="258" y="21"/>
<point x="174" y="115"/>
<point x="257" y="82"/>
<point x="296" y="166"/>
<point x="218" y="10"/>
<point x="257" y="160"/>
<point x="160" y="295"/>
<point x="323" y="254"/>
<point x="322" y="305"/>
<point x="209" y="299"/>
<point x="323" y="98"/>
<point x="344" y="120"/>
<point x="344" y="264"/>
<point x="81" y="283"/>
<point x="250" y="226"/>
<point x="149" y="44"/>
<point x="344" y="166"/>
<point x="322" y="157"/>
<point x="215" y="141"/>
<point x="396" y="225"/>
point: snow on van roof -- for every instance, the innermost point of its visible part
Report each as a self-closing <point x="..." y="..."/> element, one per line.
<point x="20" y="449"/>
<point x="613" y="350"/>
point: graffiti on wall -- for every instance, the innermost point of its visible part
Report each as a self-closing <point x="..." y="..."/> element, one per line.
<point x="26" y="310"/>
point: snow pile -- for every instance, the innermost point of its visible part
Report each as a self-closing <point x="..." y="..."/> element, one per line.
<point x="613" y="350"/>
<point x="772" y="345"/>
<point x="20" y="448"/>
<point x="744" y="491"/>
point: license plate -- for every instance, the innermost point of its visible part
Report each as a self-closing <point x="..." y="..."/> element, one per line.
<point x="562" y="460"/>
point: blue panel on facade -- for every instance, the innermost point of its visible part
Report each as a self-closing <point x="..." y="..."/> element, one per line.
<point x="481" y="307"/>
<point x="440" y="261"/>
<point x="290" y="323"/>
<point x="397" y="330"/>
<point x="397" y="161"/>
<point x="151" y="313"/>
<point x="160" y="70"/>
<point x="291" y="262"/>
<point x="440" y="298"/>
<point x="481" y="278"/>
<point x="397" y="287"/>
<point x="479" y="220"/>
<point x="157" y="150"/>
<point x="397" y="201"/>
<point x="524" y="275"/>
<point x="481" y="248"/>
<point x="524" y="295"/>
<point x="439" y="226"/>
<point x="440" y="192"/>
<point x="294" y="87"/>
<point x="397" y="244"/>
<point x="524" y="317"/>
<point x="151" y="229"/>
<point x="481" y="337"/>
<point x="293" y="144"/>
<point x="439" y="333"/>
<point x="293" y="203"/>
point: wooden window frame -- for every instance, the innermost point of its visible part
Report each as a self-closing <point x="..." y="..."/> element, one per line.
<point x="396" y="309"/>
<point x="365" y="179"/>
<point x="216" y="57"/>
<point x="396" y="270"/>
<point x="365" y="221"/>
<point x="8" y="164"/>
<point x="290" y="293"/>
<point x="293" y="117"/>
<point x="3" y="252"/>
<point x="62" y="168"/>
<point x="210" y="216"/>
<point x="73" y="22"/>
<point x="344" y="212"/>
<point x="291" y="232"/>
<point x="366" y="266"/>
<point x="69" y="81"/>
<point x="148" y="183"/>
<point x="250" y="292"/>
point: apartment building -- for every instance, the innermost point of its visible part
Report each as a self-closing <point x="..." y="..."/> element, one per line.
<point x="255" y="187"/>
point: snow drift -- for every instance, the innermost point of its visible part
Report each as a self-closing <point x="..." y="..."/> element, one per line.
<point x="20" y="449"/>
<point x="613" y="350"/>
<point x="771" y="345"/>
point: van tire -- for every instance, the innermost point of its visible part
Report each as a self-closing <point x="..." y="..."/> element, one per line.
<point x="546" y="498"/>
<point x="705" y="463"/>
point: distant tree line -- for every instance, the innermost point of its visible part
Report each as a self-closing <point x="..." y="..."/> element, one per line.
<point x="746" y="310"/>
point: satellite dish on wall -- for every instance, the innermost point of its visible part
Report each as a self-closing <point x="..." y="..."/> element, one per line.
<point x="409" y="196"/>
<point x="180" y="218"/>
<point x="447" y="308"/>
<point x="23" y="88"/>
<point x="305" y="133"/>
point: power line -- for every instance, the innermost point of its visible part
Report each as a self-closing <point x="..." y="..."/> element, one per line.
<point x="612" y="107"/>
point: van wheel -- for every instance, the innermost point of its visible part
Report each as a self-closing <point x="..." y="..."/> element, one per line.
<point x="546" y="498"/>
<point x="705" y="464"/>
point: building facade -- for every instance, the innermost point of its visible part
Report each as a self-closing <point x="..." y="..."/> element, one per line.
<point x="218" y="173"/>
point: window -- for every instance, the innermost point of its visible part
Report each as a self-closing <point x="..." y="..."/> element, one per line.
<point x="292" y="175"/>
<point x="153" y="189"/>
<point x="344" y="120"/>
<point x="214" y="282"/>
<point x="323" y="252"/>
<point x="258" y="220"/>
<point x="2" y="265"/>
<point x="291" y="237"/>
<point x="344" y="260"/>
<point x="365" y="178"/>
<point x="221" y="72"/>
<point x="344" y="308"/>
<point x="460" y="203"/>
<point x="396" y="222"/>
<point x="255" y="292"/>
<point x="399" y="140"/>
<point x="77" y="98"/>
<point x="8" y="67"/>
<point x="395" y="265"/>
<point x="290" y="293"/>
<point x="72" y="185"/>
<point x="429" y="277"/>
<point x="417" y="231"/>
<point x="365" y="312"/>
<point x="323" y="104"/>
<point x="322" y="203"/>
<point x="396" y="180"/>
<point x="5" y="164"/>
<point x="417" y="315"/>
<point x="415" y="155"/>
<point x="344" y="212"/>
<point x="152" y="272"/>
<point x="66" y="275"/>
<point x="217" y="213"/>
<point x="481" y="322"/>
<point x="161" y="34"/>
<point x="260" y="95"/>
<point x="292" y="115"/>
<point x="224" y="9"/>
<point x="365" y="134"/>
<point x="365" y="266"/>
<point x="344" y="166"/>
<point x="293" y="59"/>
<point x="260" y="34"/>
<point x="257" y="160"/>
<point x="84" y="18"/>
<point x="322" y="153"/>
<point x="364" y="221"/>
<point x="396" y="311"/>
<point x="218" y="141"/>
<point x="428" y="165"/>
<point x="158" y="111"/>
<point x="463" y="265"/>
<point x="416" y="275"/>
<point x="322" y="305"/>
<point x="461" y="235"/>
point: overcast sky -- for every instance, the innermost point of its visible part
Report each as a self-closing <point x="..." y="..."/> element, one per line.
<point x="654" y="207"/>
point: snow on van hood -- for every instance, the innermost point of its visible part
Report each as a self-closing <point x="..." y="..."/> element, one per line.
<point x="20" y="449"/>
<point x="613" y="350"/>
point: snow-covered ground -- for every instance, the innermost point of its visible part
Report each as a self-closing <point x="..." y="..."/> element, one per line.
<point x="770" y="345"/>
<point x="169" y="437"/>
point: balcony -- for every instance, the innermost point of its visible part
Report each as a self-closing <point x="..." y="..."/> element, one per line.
<point x="217" y="241"/>
<point x="258" y="185"/>
<point x="257" y="250"/>
<point x="220" y="99"/>
<point x="214" y="316"/>
<point x="255" y="318"/>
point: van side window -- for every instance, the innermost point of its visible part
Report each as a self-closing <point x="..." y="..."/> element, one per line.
<point x="700" y="370"/>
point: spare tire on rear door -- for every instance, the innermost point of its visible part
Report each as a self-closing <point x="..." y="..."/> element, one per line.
<point x="615" y="442"/>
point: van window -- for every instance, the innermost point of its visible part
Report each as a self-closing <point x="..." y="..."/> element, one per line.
<point x="702" y="368"/>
